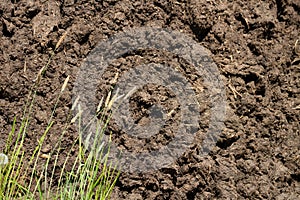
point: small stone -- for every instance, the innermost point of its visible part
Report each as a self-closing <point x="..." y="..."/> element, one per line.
<point x="3" y="159"/>
<point x="45" y="156"/>
<point x="46" y="149"/>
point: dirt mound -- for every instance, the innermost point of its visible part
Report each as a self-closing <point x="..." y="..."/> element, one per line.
<point x="255" y="45"/>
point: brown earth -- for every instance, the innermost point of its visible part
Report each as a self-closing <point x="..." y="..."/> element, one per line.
<point x="254" y="44"/>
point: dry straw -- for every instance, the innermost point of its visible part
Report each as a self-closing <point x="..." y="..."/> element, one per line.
<point x="65" y="84"/>
<point x="61" y="39"/>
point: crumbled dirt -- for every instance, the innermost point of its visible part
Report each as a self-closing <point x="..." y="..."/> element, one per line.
<point x="254" y="45"/>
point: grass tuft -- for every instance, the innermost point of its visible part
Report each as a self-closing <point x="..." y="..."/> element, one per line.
<point x="90" y="175"/>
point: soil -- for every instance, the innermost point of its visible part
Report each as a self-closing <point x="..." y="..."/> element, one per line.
<point x="254" y="45"/>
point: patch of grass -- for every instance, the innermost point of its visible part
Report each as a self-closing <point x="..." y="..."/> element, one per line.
<point x="90" y="177"/>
